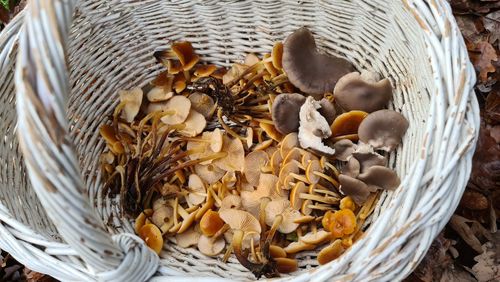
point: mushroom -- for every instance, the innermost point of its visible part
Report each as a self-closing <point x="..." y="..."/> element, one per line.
<point x="236" y="71"/>
<point x="235" y="158"/>
<point x="331" y="252"/>
<point x="313" y="128"/>
<point x="151" y="235"/>
<point x="204" y="70"/>
<point x="315" y="238"/>
<point x="231" y="202"/>
<point x="188" y="238"/>
<point x="194" y="124"/>
<point x="311" y="71"/>
<point x="298" y="246"/>
<point x="285" y="112"/>
<point x="177" y="108"/>
<point x="197" y="193"/>
<point x="341" y="223"/>
<point x="352" y="167"/>
<point x="383" y="129"/>
<point x="216" y="139"/>
<point x="281" y="209"/>
<point x="354" y="92"/>
<point x="141" y="219"/>
<point x="271" y="131"/>
<point x="294" y="154"/>
<point x="276" y="160"/>
<point x="347" y="123"/>
<point x="131" y="101"/>
<point x="161" y="215"/>
<point x="380" y="176"/>
<point x="251" y="200"/>
<point x="290" y="141"/>
<point x="159" y="94"/>
<point x="186" y="54"/>
<point x="343" y="149"/>
<point x="210" y="223"/>
<point x="295" y="200"/>
<point x="367" y="157"/>
<point x="210" y="247"/>
<point x="277" y="55"/>
<point x="252" y="167"/>
<point x="327" y="110"/>
<point x="286" y="265"/>
<point x="277" y="251"/>
<point x="354" y="188"/>
<point x="251" y="59"/>
<point x="209" y="173"/>
<point x="203" y="104"/>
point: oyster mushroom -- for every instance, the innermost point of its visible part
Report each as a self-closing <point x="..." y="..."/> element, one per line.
<point x="327" y="110"/>
<point x="280" y="210"/>
<point x="311" y="71"/>
<point x="343" y="149"/>
<point x="313" y="128"/>
<point x="359" y="92"/>
<point x="380" y="176"/>
<point x="285" y="112"/>
<point x="383" y="129"/>
<point x="177" y="108"/>
<point x="131" y="101"/>
<point x="188" y="238"/>
<point x="352" y="167"/>
<point x="354" y="188"/>
<point x="367" y="157"/>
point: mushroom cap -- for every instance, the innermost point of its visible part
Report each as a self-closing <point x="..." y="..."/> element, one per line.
<point x="251" y="199"/>
<point x="290" y="141"/>
<point x="343" y="149"/>
<point x="277" y="251"/>
<point x="312" y="167"/>
<point x="380" y="176"/>
<point x="202" y="103"/>
<point x="367" y="157"/>
<point x="210" y="223"/>
<point x="210" y="248"/>
<point x="286" y="265"/>
<point x="285" y="112"/>
<point x="196" y="185"/>
<point x="188" y="238"/>
<point x="295" y="200"/>
<point x="181" y="105"/>
<point x="209" y="173"/>
<point x="185" y="53"/>
<point x="132" y="99"/>
<point x="235" y="158"/>
<point x="354" y="188"/>
<point x="282" y="207"/>
<point x="383" y="129"/>
<point x="151" y="234"/>
<point x="240" y="220"/>
<point x="158" y="94"/>
<point x="216" y="138"/>
<point x="161" y="214"/>
<point x="194" y="124"/>
<point x="330" y="252"/>
<point x="253" y="162"/>
<point x="315" y="238"/>
<point x="352" y="167"/>
<point x="352" y="92"/>
<point x="327" y="110"/>
<point x="347" y="123"/>
<point x="309" y="70"/>
<point x="231" y="202"/>
<point x="204" y="70"/>
<point x="277" y="55"/>
<point x="298" y="246"/>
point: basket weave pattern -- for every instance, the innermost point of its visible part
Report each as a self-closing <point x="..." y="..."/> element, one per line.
<point x="67" y="68"/>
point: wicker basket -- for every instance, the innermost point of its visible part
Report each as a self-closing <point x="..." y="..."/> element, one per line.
<point x="67" y="68"/>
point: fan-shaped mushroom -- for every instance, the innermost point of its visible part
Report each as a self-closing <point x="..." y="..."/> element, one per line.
<point x="354" y="188"/>
<point x="311" y="71"/>
<point x="354" y="92"/>
<point x="313" y="127"/>
<point x="380" y="176"/>
<point x="383" y="129"/>
<point x="352" y="167"/>
<point x="252" y="168"/>
<point x="327" y="110"/>
<point x="343" y="149"/>
<point x="285" y="112"/>
<point x="367" y="157"/>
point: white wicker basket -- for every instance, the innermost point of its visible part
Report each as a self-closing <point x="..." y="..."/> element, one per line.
<point x="70" y="65"/>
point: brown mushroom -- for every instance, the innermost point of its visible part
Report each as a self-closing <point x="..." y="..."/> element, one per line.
<point x="383" y="129"/>
<point x="252" y="167"/>
<point x="331" y="252"/>
<point x="354" y="92"/>
<point x="380" y="176"/>
<point x="316" y="238"/>
<point x="186" y="54"/>
<point x="343" y="149"/>
<point x="311" y="71"/>
<point x="367" y="157"/>
<point x="194" y="124"/>
<point x="203" y="104"/>
<point x="188" y="238"/>
<point x="354" y="188"/>
<point x="285" y="112"/>
<point x="281" y="207"/>
<point x="286" y="265"/>
<point x="209" y="173"/>
<point x="210" y="247"/>
<point x="352" y="167"/>
<point x="327" y="110"/>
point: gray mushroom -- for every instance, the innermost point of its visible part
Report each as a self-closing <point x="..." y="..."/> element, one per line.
<point x="327" y="110"/>
<point x="309" y="70"/>
<point x="383" y="129"/>
<point x="359" y="92"/>
<point x="380" y="176"/>
<point x="352" y="167"/>
<point x="285" y="112"/>
<point x="343" y="149"/>
<point x="354" y="188"/>
<point x="367" y="157"/>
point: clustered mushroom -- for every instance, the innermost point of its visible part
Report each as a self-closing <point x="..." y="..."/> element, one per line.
<point x="245" y="161"/>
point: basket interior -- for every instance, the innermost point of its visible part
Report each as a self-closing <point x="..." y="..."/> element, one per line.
<point x="111" y="48"/>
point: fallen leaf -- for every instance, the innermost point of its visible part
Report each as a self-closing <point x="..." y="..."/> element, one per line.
<point x="435" y="261"/>
<point x="482" y="56"/>
<point x="486" y="162"/>
<point x="492" y="24"/>
<point x="472" y="7"/>
<point x="474" y="201"/>
<point x="492" y="107"/>
<point x="456" y="274"/>
<point x="487" y="267"/>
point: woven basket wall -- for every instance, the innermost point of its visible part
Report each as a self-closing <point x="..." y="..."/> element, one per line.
<point x="60" y="72"/>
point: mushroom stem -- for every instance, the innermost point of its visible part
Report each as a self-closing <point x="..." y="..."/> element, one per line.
<point x="262" y="108"/>
<point x="319" y="207"/>
<point x="226" y="127"/>
<point x="328" y="178"/>
<point x="300" y="177"/>
<point x="251" y="69"/>
<point x="228" y="253"/>
<point x="264" y="120"/>
<point x="251" y="80"/>
<point x="208" y="204"/>
<point x="220" y="232"/>
<point x="327" y="192"/>
<point x="333" y="168"/>
<point x="258" y="269"/>
<point x="216" y="198"/>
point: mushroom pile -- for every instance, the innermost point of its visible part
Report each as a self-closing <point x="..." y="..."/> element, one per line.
<point x="277" y="155"/>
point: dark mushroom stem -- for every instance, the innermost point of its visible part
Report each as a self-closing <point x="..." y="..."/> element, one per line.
<point x="268" y="269"/>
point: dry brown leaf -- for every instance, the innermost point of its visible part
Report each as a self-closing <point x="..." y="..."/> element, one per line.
<point x="435" y="261"/>
<point x="487" y="267"/>
<point x="482" y="55"/>
<point x="456" y="274"/>
<point x="492" y="24"/>
<point x="474" y="201"/>
<point x="486" y="162"/>
<point x="492" y="107"/>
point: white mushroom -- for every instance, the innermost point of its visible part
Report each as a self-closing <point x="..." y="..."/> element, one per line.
<point x="313" y="127"/>
<point x="131" y="100"/>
